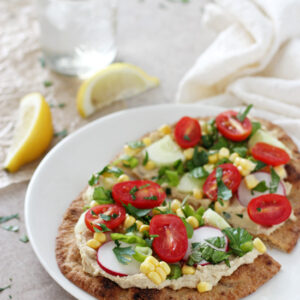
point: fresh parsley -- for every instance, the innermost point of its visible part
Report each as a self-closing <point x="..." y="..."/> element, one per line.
<point x="199" y="173"/>
<point x="13" y="228"/>
<point x="151" y="198"/>
<point x="135" y="212"/>
<point x="175" y="271"/>
<point x="255" y="127"/>
<point x="226" y="215"/>
<point x="186" y="138"/>
<point x="240" y="216"/>
<point x="261" y="187"/>
<point x="275" y="179"/>
<point x="150" y="239"/>
<point x="123" y="254"/>
<point x="241" y="151"/>
<point x="146" y="158"/>
<point x="103" y="227"/>
<point x="200" y="158"/>
<point x="136" y="144"/>
<point x="102" y="196"/>
<point x="224" y="193"/>
<point x="107" y="169"/>
<point x="188" y="227"/>
<point x="7" y="218"/>
<point x="241" y="116"/>
<point x="105" y="217"/>
<point x="133" y="191"/>
<point x="132" y="228"/>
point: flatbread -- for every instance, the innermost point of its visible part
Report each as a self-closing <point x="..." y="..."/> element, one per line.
<point x="244" y="281"/>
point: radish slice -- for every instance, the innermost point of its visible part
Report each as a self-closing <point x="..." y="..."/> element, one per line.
<point x="109" y="263"/>
<point x="200" y="235"/>
<point x="244" y="195"/>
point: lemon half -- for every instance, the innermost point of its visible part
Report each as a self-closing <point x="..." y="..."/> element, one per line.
<point x="33" y="133"/>
<point x="117" y="81"/>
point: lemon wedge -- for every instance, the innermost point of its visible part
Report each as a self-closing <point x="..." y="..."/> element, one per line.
<point x="117" y="81"/>
<point x="33" y="132"/>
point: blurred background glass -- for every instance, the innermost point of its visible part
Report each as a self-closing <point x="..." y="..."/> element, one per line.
<point x="78" y="36"/>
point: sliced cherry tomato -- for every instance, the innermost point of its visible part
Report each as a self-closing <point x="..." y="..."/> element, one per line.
<point x="269" y="209"/>
<point x="139" y="193"/>
<point x="231" y="178"/>
<point x="187" y="132"/>
<point x="269" y="154"/>
<point x="231" y="127"/>
<point x="111" y="215"/>
<point x="172" y="241"/>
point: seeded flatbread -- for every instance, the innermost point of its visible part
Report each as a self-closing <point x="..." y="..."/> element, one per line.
<point x="244" y="281"/>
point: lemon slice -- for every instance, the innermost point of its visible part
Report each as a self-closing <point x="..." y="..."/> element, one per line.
<point x="118" y="81"/>
<point x="33" y="132"/>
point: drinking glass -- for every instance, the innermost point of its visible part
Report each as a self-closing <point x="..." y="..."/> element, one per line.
<point x="77" y="36"/>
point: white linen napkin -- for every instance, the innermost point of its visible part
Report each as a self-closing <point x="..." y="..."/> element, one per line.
<point x="255" y="56"/>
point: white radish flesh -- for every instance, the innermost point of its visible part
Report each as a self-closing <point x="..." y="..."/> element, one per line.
<point x="244" y="195"/>
<point x="109" y="263"/>
<point x="203" y="233"/>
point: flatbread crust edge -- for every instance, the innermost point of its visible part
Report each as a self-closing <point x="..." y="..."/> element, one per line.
<point x="244" y="281"/>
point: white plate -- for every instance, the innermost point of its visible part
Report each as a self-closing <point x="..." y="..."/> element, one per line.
<point x="65" y="170"/>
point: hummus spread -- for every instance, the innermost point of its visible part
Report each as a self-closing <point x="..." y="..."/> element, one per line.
<point x="209" y="273"/>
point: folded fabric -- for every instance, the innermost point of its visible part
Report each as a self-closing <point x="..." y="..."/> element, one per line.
<point x="255" y="56"/>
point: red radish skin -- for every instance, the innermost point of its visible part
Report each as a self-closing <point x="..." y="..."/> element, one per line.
<point x="244" y="195"/>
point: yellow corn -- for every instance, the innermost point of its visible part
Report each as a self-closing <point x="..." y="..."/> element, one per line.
<point x="93" y="203"/>
<point x="131" y="152"/>
<point x="219" y="208"/>
<point x="150" y="165"/>
<point x="204" y="127"/>
<point x="165" y="267"/>
<point x="188" y="153"/>
<point x="247" y="164"/>
<point x="209" y="167"/>
<point x="161" y="273"/>
<point x="165" y="129"/>
<point x="213" y="158"/>
<point x="251" y="182"/>
<point x="154" y="276"/>
<point x="193" y="221"/>
<point x="100" y="237"/>
<point x="138" y="224"/>
<point x="233" y="157"/>
<point x="175" y="204"/>
<point x="197" y="193"/>
<point x="259" y="245"/>
<point x="224" y="153"/>
<point x="129" y="221"/>
<point x="179" y="213"/>
<point x="144" y="228"/>
<point x="147" y="268"/>
<point x="93" y="244"/>
<point x="280" y="170"/>
<point x="204" y="287"/>
<point x="123" y="178"/>
<point x="188" y="270"/>
<point x="152" y="260"/>
<point x="147" y="141"/>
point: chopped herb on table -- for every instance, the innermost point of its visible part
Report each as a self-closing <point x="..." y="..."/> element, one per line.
<point x="47" y="83"/>
<point x="61" y="134"/>
<point x="4" y="219"/>
<point x="24" y="239"/>
<point x="5" y="288"/>
<point x="13" y="228"/>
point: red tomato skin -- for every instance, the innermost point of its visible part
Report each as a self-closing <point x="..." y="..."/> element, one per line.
<point x="187" y="127"/>
<point x="170" y="228"/>
<point x="113" y="223"/>
<point x="232" y="180"/>
<point x="269" y="154"/>
<point x="274" y="209"/>
<point x="232" y="134"/>
<point x="121" y="193"/>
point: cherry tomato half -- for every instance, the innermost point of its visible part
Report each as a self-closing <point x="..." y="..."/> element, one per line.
<point x="187" y="132"/>
<point x="231" y="127"/>
<point x="269" y="154"/>
<point x="139" y="193"/>
<point x="111" y="215"/>
<point x="231" y="178"/>
<point x="172" y="241"/>
<point x="269" y="209"/>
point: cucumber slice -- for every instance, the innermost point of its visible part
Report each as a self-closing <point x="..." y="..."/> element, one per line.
<point x="188" y="183"/>
<point x="165" y="152"/>
<point x="265" y="137"/>
<point x="211" y="218"/>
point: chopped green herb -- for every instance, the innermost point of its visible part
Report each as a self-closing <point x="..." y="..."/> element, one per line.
<point x="146" y="158"/>
<point x="173" y="178"/>
<point x="42" y="62"/>
<point x="168" y="191"/>
<point x="13" y="228"/>
<point x="226" y="215"/>
<point x="61" y="134"/>
<point x="199" y="173"/>
<point x="175" y="271"/>
<point x="24" y="239"/>
<point x="105" y="217"/>
<point x="114" y="216"/>
<point x="107" y="169"/>
<point x="135" y="212"/>
<point x="258" y="209"/>
<point x="261" y="187"/>
<point x="60" y="105"/>
<point x="151" y="198"/>
<point x="188" y="227"/>
<point x="144" y="186"/>
<point x="149" y="240"/>
<point x="240" y="215"/>
<point x="4" y="288"/>
<point x="102" y="226"/>
<point x="255" y="127"/>
<point x="241" y="151"/>
<point x="199" y="158"/>
<point x="218" y="242"/>
<point x="48" y="83"/>
<point x="102" y="196"/>
<point x="133" y="191"/>
<point x="241" y="116"/>
<point x="136" y="144"/>
<point x="93" y="213"/>
<point x="132" y="228"/>
<point x="123" y="254"/>
<point x="224" y="193"/>
<point x="130" y="161"/>
<point x="7" y="218"/>
<point x="275" y="179"/>
<point x="259" y="165"/>
<point x="186" y="138"/>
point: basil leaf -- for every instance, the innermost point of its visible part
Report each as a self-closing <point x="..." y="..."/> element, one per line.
<point x="199" y="172"/>
<point x="136" y="144"/>
<point x="241" y="151"/>
<point x="261" y="187"/>
<point x="189" y="228"/>
<point x="102" y="196"/>
<point x="13" y="228"/>
<point x="175" y="271"/>
<point x="123" y="254"/>
<point x="255" y="127"/>
<point x="146" y="158"/>
<point x="7" y="218"/>
<point x="128" y="238"/>
<point x="241" y="116"/>
<point x="237" y="237"/>
<point x="224" y="193"/>
<point x="275" y="179"/>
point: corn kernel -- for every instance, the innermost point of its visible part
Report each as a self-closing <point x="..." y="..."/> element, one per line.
<point x="93" y="244"/>
<point x="247" y="164"/>
<point x="138" y="224"/>
<point x="123" y="178"/>
<point x="129" y="221"/>
<point x="224" y="153"/>
<point x="175" y="204"/>
<point x="251" y="182"/>
<point x="193" y="221"/>
<point x="100" y="237"/>
<point x="187" y="270"/>
<point x="233" y="157"/>
<point x="259" y="245"/>
<point x="204" y="127"/>
<point x="150" y="165"/>
<point x="165" y="267"/>
<point x="131" y="152"/>
<point x="93" y="203"/>
<point x="165" y="129"/>
<point x="213" y="158"/>
<point x="281" y="172"/>
<point x="147" y="267"/>
<point x="219" y="208"/>
<point x="188" y="153"/>
<point x="147" y="141"/>
<point x="209" y="167"/>
<point x="144" y="228"/>
<point x="152" y="260"/>
<point x="154" y="277"/>
<point x="161" y="273"/>
<point x="179" y="213"/>
<point x="197" y="193"/>
<point x="204" y="287"/>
